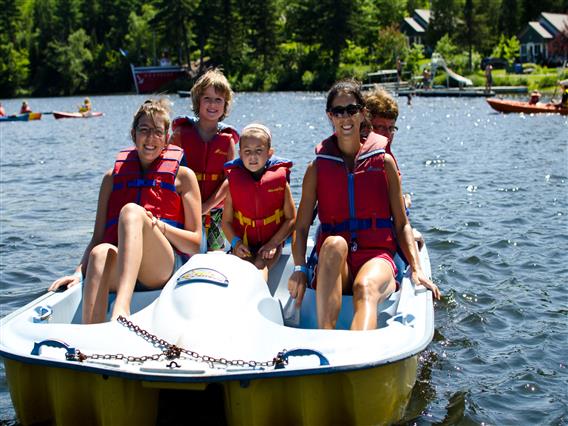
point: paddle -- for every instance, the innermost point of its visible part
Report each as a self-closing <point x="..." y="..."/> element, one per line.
<point x="47" y="112"/>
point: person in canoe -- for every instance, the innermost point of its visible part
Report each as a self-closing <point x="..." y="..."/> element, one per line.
<point x="148" y="219"/>
<point x="2" y="110"/>
<point x="25" y="108"/>
<point x="357" y="189"/>
<point x="564" y="95"/>
<point x="259" y="212"/>
<point x="534" y="97"/>
<point x="209" y="144"/>
<point x="85" y="107"/>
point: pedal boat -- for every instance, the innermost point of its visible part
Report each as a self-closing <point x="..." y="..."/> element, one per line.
<point x="216" y="324"/>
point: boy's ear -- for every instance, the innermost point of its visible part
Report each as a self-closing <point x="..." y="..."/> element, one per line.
<point x="270" y="152"/>
<point x="133" y="134"/>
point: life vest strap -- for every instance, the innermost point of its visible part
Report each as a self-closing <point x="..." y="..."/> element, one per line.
<point x="208" y="176"/>
<point x="254" y="223"/>
<point x="352" y="225"/>
<point x="144" y="183"/>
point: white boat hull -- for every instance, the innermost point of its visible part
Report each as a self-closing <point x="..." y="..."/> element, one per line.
<point x="230" y="327"/>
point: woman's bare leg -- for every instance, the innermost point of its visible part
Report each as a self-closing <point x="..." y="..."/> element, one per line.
<point x="373" y="284"/>
<point x="332" y="276"/>
<point x="144" y="253"/>
<point x="101" y="276"/>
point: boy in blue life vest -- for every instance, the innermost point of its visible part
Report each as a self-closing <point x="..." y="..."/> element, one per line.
<point x="259" y="212"/>
<point x="208" y="144"/>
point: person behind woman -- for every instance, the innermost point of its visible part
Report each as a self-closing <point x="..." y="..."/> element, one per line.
<point x="148" y="219"/>
<point x="357" y="190"/>
<point x="259" y="211"/>
<point x="2" y="110"/>
<point x="208" y="145"/>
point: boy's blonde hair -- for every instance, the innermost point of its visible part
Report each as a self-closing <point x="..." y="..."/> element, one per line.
<point x="150" y="108"/>
<point x="259" y="131"/>
<point x="213" y="77"/>
<point x="381" y="104"/>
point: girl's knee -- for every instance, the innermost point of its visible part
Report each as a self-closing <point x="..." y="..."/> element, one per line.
<point x="131" y="211"/>
<point x="101" y="252"/>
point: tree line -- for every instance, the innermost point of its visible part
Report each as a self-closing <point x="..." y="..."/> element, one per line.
<point x="63" y="47"/>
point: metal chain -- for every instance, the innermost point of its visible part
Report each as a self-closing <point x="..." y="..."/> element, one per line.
<point x="170" y="352"/>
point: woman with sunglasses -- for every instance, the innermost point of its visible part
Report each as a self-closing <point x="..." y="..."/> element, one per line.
<point x="357" y="190"/>
<point x="148" y="220"/>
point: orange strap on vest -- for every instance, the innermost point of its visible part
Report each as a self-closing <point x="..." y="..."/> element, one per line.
<point x="208" y="176"/>
<point x="247" y="221"/>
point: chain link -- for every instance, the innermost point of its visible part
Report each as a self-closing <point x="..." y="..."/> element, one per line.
<point x="171" y="352"/>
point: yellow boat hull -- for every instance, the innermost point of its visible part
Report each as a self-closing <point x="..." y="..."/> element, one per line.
<point x="376" y="395"/>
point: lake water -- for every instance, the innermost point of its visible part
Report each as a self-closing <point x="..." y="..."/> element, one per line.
<point x="490" y="195"/>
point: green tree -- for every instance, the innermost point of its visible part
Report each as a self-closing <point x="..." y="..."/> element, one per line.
<point x="40" y="54"/>
<point x="14" y="63"/>
<point x="67" y="18"/>
<point x="507" y="48"/>
<point x="14" y="69"/>
<point x="325" y="26"/>
<point x="70" y="61"/>
<point x="225" y="39"/>
<point x="446" y="47"/>
<point x="445" y="15"/>
<point x="390" y="44"/>
<point x="510" y="17"/>
<point x="172" y="21"/>
<point x="139" y="40"/>
<point x="413" y="57"/>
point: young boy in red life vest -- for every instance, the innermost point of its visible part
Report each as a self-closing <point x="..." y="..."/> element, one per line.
<point x="259" y="212"/>
<point x="208" y="144"/>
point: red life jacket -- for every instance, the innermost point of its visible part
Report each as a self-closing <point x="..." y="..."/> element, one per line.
<point x="354" y="204"/>
<point x="155" y="189"/>
<point x="206" y="159"/>
<point x="258" y="206"/>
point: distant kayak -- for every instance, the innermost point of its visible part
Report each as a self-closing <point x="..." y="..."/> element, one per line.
<point x="28" y="116"/>
<point x="506" y="105"/>
<point x="59" y="114"/>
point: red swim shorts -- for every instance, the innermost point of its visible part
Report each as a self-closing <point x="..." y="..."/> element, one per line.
<point x="356" y="260"/>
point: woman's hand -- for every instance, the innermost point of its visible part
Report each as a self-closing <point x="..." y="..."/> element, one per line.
<point x="297" y="284"/>
<point x="419" y="278"/>
<point x="68" y="280"/>
<point x="157" y="222"/>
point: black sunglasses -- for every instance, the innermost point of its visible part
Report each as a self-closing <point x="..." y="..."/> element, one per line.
<point x="352" y="109"/>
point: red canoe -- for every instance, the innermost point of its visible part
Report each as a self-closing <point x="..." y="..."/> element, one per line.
<point x="59" y="114"/>
<point x="505" y="105"/>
